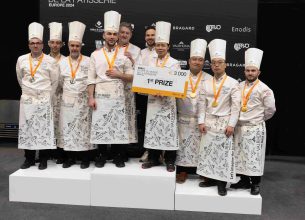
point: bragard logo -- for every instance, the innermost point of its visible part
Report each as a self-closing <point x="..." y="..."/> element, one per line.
<point x="181" y="46"/>
<point x="238" y="46"/>
<point x="72" y="3"/>
<point x="98" y="27"/>
<point x="183" y="28"/>
<point x="212" y="27"/>
<point x="235" y="64"/>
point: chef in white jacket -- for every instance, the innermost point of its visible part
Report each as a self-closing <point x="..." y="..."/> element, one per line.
<point x="109" y="72"/>
<point x="161" y="131"/>
<point x="55" y="44"/>
<point x="219" y="106"/>
<point x="37" y="74"/>
<point x="257" y="106"/>
<point x="189" y="134"/>
<point x="75" y="114"/>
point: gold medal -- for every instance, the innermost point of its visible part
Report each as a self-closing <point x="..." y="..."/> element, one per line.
<point x="32" y="79"/>
<point x="214" y="104"/>
<point x="244" y="109"/>
<point x="193" y="95"/>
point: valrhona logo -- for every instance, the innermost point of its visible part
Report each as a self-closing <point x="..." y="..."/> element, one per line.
<point x="181" y="46"/>
<point x="98" y="27"/>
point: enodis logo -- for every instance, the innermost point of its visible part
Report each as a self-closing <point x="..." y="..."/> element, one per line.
<point x="241" y="29"/>
<point x="212" y="27"/>
<point x="238" y="46"/>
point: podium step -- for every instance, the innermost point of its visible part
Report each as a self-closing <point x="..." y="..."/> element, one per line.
<point x="190" y="197"/>
<point x="53" y="185"/>
<point x="133" y="187"/>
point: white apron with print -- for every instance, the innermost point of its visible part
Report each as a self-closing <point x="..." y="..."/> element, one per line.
<point x="131" y="113"/>
<point x="161" y="132"/>
<point x="109" y="120"/>
<point x="216" y="155"/>
<point x="189" y="141"/>
<point x="250" y="148"/>
<point x="36" y="126"/>
<point x="75" y="122"/>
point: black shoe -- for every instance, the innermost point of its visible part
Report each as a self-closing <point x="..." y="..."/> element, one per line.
<point x="60" y="161"/>
<point x="68" y="163"/>
<point x="254" y="189"/>
<point x="84" y="164"/>
<point x="43" y="165"/>
<point x="208" y="183"/>
<point x="100" y="161"/>
<point x="241" y="184"/>
<point x="27" y="163"/>
<point x="170" y="167"/>
<point x="150" y="163"/>
<point x="119" y="163"/>
<point x="222" y="191"/>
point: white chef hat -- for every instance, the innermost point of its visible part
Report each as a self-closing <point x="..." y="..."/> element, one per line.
<point x="76" y="31"/>
<point x="253" y="57"/>
<point x="112" y="21"/>
<point x="198" y="48"/>
<point x="55" y="31"/>
<point x="217" y="49"/>
<point x="163" y="31"/>
<point x="36" y="31"/>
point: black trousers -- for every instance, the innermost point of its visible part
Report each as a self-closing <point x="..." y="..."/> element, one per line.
<point x="189" y="170"/>
<point x="74" y="155"/>
<point x="30" y="154"/>
<point x="254" y="179"/>
<point x="117" y="151"/>
<point x="169" y="156"/>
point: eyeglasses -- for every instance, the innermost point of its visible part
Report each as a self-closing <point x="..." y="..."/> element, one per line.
<point x="214" y="63"/>
<point x="35" y="43"/>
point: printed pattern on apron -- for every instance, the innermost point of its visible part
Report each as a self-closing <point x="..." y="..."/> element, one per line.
<point x="249" y="149"/>
<point x="75" y="122"/>
<point x="216" y="156"/>
<point x="161" y="131"/>
<point x="109" y="120"/>
<point x="131" y="113"/>
<point x="36" y="126"/>
<point x="189" y="141"/>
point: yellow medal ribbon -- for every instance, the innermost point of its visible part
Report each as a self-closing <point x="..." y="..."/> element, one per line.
<point x="246" y="98"/>
<point x="73" y="72"/>
<point x="216" y="93"/>
<point x="163" y="64"/>
<point x="31" y="65"/>
<point x="110" y="64"/>
<point x="193" y="94"/>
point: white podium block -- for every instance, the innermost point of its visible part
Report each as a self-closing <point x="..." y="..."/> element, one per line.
<point x="53" y="185"/>
<point x="190" y="197"/>
<point x="133" y="187"/>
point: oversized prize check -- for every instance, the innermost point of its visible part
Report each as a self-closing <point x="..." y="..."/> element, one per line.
<point x="160" y="81"/>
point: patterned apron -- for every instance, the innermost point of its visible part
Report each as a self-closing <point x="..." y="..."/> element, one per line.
<point x="75" y="122"/>
<point x="161" y="132"/>
<point x="249" y="149"/>
<point x="109" y="120"/>
<point x="36" y="126"/>
<point x="189" y="141"/>
<point x="216" y="156"/>
<point x="131" y="113"/>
